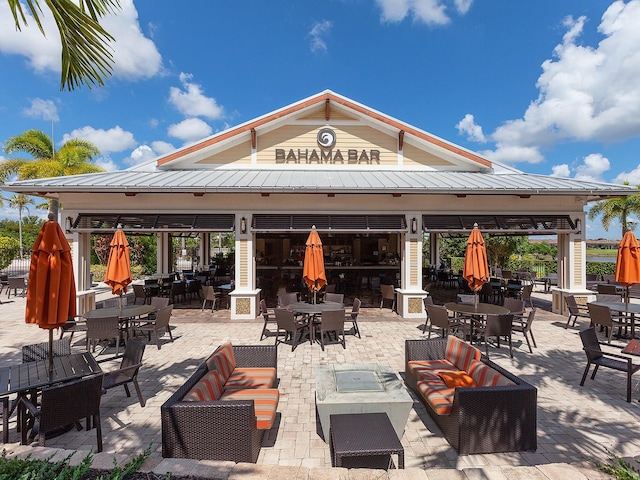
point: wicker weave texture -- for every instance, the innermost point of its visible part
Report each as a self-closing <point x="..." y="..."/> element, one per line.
<point x="483" y="419"/>
<point x="215" y="430"/>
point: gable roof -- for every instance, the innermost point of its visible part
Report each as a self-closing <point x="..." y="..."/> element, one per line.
<point x="331" y="104"/>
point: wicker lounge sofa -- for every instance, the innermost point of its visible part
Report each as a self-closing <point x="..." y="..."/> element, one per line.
<point x="495" y="413"/>
<point x="222" y="411"/>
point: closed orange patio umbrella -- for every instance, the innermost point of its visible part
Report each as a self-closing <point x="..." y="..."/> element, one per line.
<point x="118" y="274"/>
<point x="628" y="262"/>
<point x="51" y="288"/>
<point x="476" y="267"/>
<point x="313" y="272"/>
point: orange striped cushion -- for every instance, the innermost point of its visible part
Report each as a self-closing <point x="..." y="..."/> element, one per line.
<point x="486" y="376"/>
<point x="222" y="360"/>
<point x="265" y="401"/>
<point x="436" y="393"/>
<point x="209" y="387"/>
<point x="417" y="368"/>
<point x="460" y="353"/>
<point x="251" y="377"/>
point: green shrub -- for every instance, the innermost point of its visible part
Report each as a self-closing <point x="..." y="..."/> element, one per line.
<point x="9" y="249"/>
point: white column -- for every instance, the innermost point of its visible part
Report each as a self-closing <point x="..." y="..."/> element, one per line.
<point x="245" y="297"/>
<point x="410" y="294"/>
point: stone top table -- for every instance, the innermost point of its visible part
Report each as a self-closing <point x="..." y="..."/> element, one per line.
<point x="361" y="388"/>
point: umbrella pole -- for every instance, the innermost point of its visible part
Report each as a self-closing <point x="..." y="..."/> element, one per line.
<point x="50" y="350"/>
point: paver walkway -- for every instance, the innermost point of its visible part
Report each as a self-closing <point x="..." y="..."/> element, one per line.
<point x="575" y="424"/>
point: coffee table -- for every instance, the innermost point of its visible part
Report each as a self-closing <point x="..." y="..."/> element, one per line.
<point x="361" y="388"/>
<point x="364" y="440"/>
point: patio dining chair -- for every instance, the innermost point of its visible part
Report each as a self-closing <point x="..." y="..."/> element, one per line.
<point x="575" y="310"/>
<point x="16" y="284"/>
<point x="269" y="316"/>
<point x="334" y="297"/>
<point x="159" y="326"/>
<point x="290" y="327"/>
<point x="209" y="295"/>
<point x="388" y="294"/>
<point x="61" y="405"/>
<point x="101" y="330"/>
<point x="599" y="358"/>
<point x="497" y="326"/>
<point x="40" y="351"/>
<point x="128" y="371"/>
<point x="438" y="317"/>
<point x="139" y="295"/>
<point x="601" y="315"/>
<point x="332" y="323"/>
<point x="524" y="326"/>
<point x="352" y="317"/>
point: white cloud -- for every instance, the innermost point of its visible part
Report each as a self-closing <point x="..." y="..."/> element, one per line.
<point x="431" y="12"/>
<point x="592" y="168"/>
<point x="135" y="56"/>
<point x="633" y="177"/>
<point x="145" y="153"/>
<point x="192" y="102"/>
<point x="467" y="126"/>
<point x="562" y="170"/>
<point x="586" y="93"/>
<point x="42" y="109"/>
<point x="513" y="154"/>
<point x="190" y="130"/>
<point x="113" y="140"/>
<point x="317" y="34"/>
<point x="107" y="164"/>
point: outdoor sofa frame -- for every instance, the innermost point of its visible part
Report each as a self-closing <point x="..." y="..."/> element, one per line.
<point x="215" y="430"/>
<point x="483" y="419"/>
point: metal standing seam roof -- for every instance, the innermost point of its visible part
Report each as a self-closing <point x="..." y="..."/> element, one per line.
<point x="318" y="180"/>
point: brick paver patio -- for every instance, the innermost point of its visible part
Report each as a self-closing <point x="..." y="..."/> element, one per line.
<point x="575" y="424"/>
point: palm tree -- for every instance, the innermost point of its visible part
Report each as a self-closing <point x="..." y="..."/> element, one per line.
<point x="86" y="56"/>
<point x="617" y="208"/>
<point x="20" y="202"/>
<point x="73" y="158"/>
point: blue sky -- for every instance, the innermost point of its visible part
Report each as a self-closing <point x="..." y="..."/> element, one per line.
<point x="547" y="86"/>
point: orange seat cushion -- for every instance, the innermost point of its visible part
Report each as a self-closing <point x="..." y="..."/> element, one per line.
<point x="265" y="402"/>
<point x="245" y="377"/>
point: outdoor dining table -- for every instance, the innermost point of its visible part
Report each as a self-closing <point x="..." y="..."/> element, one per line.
<point x="476" y="313"/>
<point x="627" y="308"/>
<point x="126" y="313"/>
<point x="311" y="310"/>
<point x="28" y="377"/>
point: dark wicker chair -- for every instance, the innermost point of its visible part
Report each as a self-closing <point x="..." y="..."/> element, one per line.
<point x="439" y="317"/>
<point x="215" y="430"/>
<point x="158" y="326"/>
<point x="139" y="295"/>
<point x="352" y="317"/>
<point x="268" y="316"/>
<point x="289" y="328"/>
<point x="524" y="327"/>
<point x="332" y="322"/>
<point x="598" y="358"/>
<point x="128" y="371"/>
<point x="483" y="419"/>
<point x="575" y="311"/>
<point x="103" y="330"/>
<point x="496" y="326"/>
<point x="40" y="351"/>
<point x="63" y="405"/>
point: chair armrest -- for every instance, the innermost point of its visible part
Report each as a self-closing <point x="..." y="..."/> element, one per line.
<point x="28" y="404"/>
<point x="607" y="354"/>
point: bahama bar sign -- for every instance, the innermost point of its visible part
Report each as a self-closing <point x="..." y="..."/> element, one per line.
<point x="326" y="154"/>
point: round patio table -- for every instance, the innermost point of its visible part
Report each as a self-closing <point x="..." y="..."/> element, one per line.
<point x="310" y="310"/>
<point x="628" y="309"/>
<point x="479" y="309"/>
<point x="127" y="311"/>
